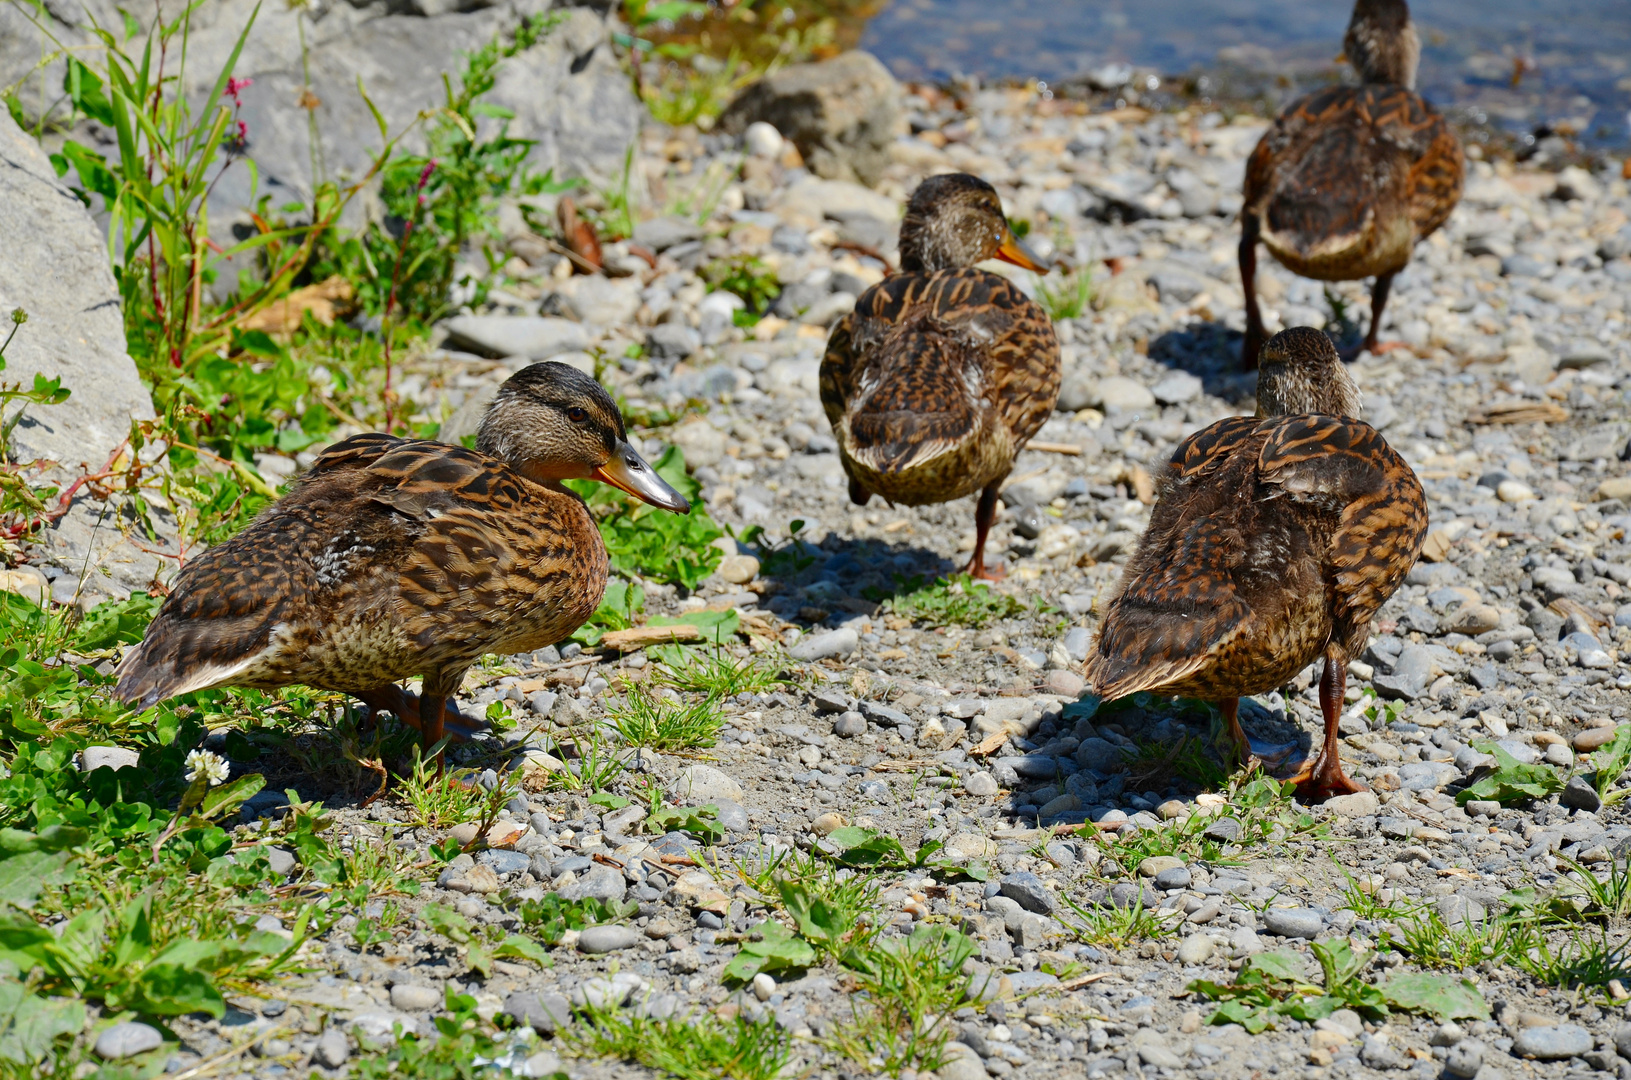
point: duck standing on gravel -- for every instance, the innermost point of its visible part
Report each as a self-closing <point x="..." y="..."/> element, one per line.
<point x="1349" y="179"/>
<point x="943" y="372"/>
<point x="400" y="557"/>
<point x="1273" y="541"/>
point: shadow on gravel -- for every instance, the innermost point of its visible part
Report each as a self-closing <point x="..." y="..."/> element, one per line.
<point x="844" y="575"/>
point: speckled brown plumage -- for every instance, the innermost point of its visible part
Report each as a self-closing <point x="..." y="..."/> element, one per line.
<point x="1274" y="541"/>
<point x="1349" y="179"/>
<point x="398" y="557"/>
<point x="943" y="372"/>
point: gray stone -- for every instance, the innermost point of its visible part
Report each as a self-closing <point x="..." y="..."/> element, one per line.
<point x="1224" y="830"/>
<point x="704" y="783"/>
<point x="849" y="725"/>
<point x="127" y="1039"/>
<point x="1028" y="891"/>
<point x="108" y="757"/>
<point x="1177" y="387"/>
<point x="1377" y="1054"/>
<point x="545" y="1013"/>
<point x="1159" y="1057"/>
<point x="600" y="882"/>
<point x="1580" y="795"/>
<point x="962" y="1063"/>
<point x="281" y="861"/>
<point x="416" y="997"/>
<point x="608" y="938"/>
<point x="1412" y="674"/>
<point x="833" y="643"/>
<point x="980" y="784"/>
<point x="840" y="113"/>
<point x="1196" y="949"/>
<point x="1465" y="1059"/>
<point x="880" y="713"/>
<point x="1176" y="878"/>
<point x="333" y="1049"/>
<point x="832" y="701"/>
<point x="731" y="814"/>
<point x="661" y="233"/>
<point x="535" y="337"/>
<point x="1293" y="922"/>
<point x="1552" y="1042"/>
<point x="1077" y="640"/>
<point x="505" y="862"/>
<point x="56" y="269"/>
<point x="1622" y="1040"/>
<point x="1099" y="755"/>
<point x="672" y="341"/>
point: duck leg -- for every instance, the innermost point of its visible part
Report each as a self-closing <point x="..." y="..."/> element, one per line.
<point x="1253" y="343"/>
<point x="407" y="707"/>
<point x="1378" y="301"/>
<point x="1323" y="777"/>
<point x="984" y="514"/>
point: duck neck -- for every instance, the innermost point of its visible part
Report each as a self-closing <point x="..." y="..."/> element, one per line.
<point x="1382" y="45"/>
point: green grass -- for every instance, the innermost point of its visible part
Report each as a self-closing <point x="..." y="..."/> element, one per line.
<point x="716" y="672"/>
<point x="900" y="1018"/>
<point x="644" y="541"/>
<point x="1117" y="927"/>
<point x="646" y="718"/>
<point x="1067" y="297"/>
<point x="955" y="601"/>
<point x="700" y="1047"/>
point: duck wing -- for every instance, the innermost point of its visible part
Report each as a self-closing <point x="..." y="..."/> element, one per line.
<point x="1179" y="601"/>
<point x="228" y="603"/>
<point x="1346" y="471"/>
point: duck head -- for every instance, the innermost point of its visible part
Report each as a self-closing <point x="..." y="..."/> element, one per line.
<point x="1381" y="43"/>
<point x="1299" y="371"/>
<point x="552" y="422"/>
<point x="956" y="220"/>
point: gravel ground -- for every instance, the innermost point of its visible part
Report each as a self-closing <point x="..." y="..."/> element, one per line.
<point x="1508" y="399"/>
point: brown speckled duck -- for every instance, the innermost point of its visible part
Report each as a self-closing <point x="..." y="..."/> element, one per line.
<point x="1273" y="541"/>
<point x="942" y="373"/>
<point x="401" y="557"/>
<point x="1349" y="179"/>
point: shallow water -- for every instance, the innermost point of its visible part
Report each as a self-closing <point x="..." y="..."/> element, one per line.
<point x="1576" y="54"/>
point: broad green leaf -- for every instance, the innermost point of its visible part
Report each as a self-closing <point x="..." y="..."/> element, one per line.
<point x="166" y="990"/>
<point x="228" y="797"/>
<point x="447" y="922"/>
<point x="524" y="948"/>
<point x="479" y="959"/>
<point x="30" y="1024"/>
<point x="778" y="950"/>
<point x="1280" y="964"/>
<point x="1443" y="997"/>
<point x="1253" y="1019"/>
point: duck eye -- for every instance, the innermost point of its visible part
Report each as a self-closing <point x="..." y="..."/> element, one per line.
<point x="577" y="415"/>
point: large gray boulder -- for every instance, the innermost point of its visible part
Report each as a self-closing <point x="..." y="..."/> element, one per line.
<point x="842" y="114"/>
<point x="54" y="265"/>
<point x="568" y="91"/>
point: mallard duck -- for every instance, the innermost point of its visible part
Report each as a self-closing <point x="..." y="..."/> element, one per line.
<point x="942" y="373"/>
<point x="1274" y="540"/>
<point x="400" y="557"/>
<point x="1350" y="178"/>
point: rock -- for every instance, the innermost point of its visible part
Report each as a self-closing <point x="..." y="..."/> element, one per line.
<point x="1357" y="805"/>
<point x="1178" y="877"/>
<point x="738" y="569"/>
<point x="1176" y="388"/>
<point x="1512" y="491"/>
<point x="501" y="861"/>
<point x="704" y="783"/>
<point x="25" y="581"/>
<point x="1028" y="891"/>
<point x="1064" y="683"/>
<point x="840" y="113"/>
<point x="661" y="233"/>
<point x="56" y="269"/>
<point x="832" y="643"/>
<point x="1154" y="865"/>
<point x="1618" y="487"/>
<point x="1471" y="619"/>
<point x="1579" y="795"/>
<point x="601" y="882"/>
<point x="1123" y="393"/>
<point x="969" y="845"/>
<point x="672" y="341"/>
<point x="1294" y="922"/>
<point x="601" y="301"/>
<point x="980" y="784"/>
<point x="108" y="757"/>
<point x="1377" y="1054"/>
<point x="1159" y="1057"/>
<point x="1412" y="674"/>
<point x="828" y="823"/>
<point x="1464" y="1059"/>
<point x="1196" y="949"/>
<point x="961" y="1063"/>
<point x="535" y="337"/>
<point x="1622" y="1040"/>
<point x="607" y="938"/>
<point x="482" y="880"/>
<point x="281" y="861"/>
<point x="414" y="997"/>
<point x="333" y="1048"/>
<point x="545" y="1013"/>
<point x="1595" y="738"/>
<point x="849" y="725"/>
<point x="1224" y="830"/>
<point x="127" y="1039"/>
<point x="701" y="442"/>
<point x="1077" y="641"/>
<point x="1552" y="1042"/>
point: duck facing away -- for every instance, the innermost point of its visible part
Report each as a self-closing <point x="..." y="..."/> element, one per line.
<point x="1274" y="540"/>
<point x="400" y="557"/>
<point x="1349" y="179"/>
<point x="943" y="372"/>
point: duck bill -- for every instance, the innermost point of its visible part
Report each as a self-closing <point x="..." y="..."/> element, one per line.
<point x="1013" y="251"/>
<point x="628" y="471"/>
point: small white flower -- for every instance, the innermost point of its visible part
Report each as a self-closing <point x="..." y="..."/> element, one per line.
<point x="212" y="766"/>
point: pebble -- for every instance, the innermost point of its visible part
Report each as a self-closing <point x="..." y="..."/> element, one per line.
<point x="108" y="757"/>
<point x="416" y="997"/>
<point x="1294" y="922"/>
<point x="1552" y="1042"/>
<point x="833" y="643"/>
<point x="1464" y="1059"/>
<point x="704" y="783"/>
<point x="1595" y="738"/>
<point x="980" y="784"/>
<point x="850" y="724"/>
<point x="1028" y="891"/>
<point x="333" y="1049"/>
<point x="763" y="986"/>
<point x="827" y="823"/>
<point x="1196" y="949"/>
<point x="609" y="937"/>
<point x="127" y="1039"/>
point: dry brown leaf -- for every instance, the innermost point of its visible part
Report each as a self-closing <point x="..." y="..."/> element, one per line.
<point x="1522" y="412"/>
<point x="325" y="300"/>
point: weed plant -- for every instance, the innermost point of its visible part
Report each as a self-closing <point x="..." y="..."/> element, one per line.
<point x="717" y="673"/>
<point x="1118" y="927"/>
<point x="700" y="1047"/>
<point x="956" y="601"/>
<point x="1070" y="297"/>
<point x="646" y="718"/>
